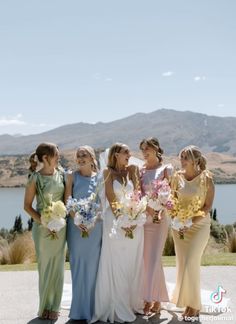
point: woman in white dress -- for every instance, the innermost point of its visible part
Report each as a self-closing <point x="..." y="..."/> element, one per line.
<point x="118" y="294"/>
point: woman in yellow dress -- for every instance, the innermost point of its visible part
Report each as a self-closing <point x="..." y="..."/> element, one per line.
<point x="194" y="191"/>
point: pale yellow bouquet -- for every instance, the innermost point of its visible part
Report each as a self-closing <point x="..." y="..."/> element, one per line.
<point x="53" y="216"/>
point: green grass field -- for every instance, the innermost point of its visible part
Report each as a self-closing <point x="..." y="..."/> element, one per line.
<point x="220" y="259"/>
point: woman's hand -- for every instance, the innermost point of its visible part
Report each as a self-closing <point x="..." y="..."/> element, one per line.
<point x="150" y="211"/>
<point x="197" y="219"/>
<point x="129" y="231"/>
<point x="157" y="215"/>
<point x="83" y="228"/>
<point x="183" y="230"/>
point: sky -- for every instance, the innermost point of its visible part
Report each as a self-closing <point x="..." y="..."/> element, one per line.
<point x="64" y="62"/>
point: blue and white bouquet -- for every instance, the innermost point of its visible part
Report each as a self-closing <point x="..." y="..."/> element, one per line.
<point x="87" y="211"/>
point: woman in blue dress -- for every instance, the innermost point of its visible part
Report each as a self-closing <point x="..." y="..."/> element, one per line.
<point x="84" y="252"/>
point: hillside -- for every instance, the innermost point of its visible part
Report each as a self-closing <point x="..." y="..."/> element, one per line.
<point x="14" y="169"/>
<point x="174" y="129"/>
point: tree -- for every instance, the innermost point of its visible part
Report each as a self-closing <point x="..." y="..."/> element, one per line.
<point x="18" y="225"/>
<point x="214" y="216"/>
<point x="30" y="224"/>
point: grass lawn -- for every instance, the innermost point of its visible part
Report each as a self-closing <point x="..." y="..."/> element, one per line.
<point x="207" y="260"/>
<point x="219" y="259"/>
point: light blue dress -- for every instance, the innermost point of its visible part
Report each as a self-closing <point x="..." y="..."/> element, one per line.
<point x="84" y="254"/>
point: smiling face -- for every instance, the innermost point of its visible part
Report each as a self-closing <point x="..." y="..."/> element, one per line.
<point x="186" y="161"/>
<point x="122" y="157"/>
<point x="54" y="159"/>
<point x="149" y="153"/>
<point x="83" y="158"/>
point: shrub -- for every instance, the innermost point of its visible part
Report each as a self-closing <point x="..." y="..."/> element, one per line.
<point x="229" y="229"/>
<point x="21" y="250"/>
<point x="169" y="248"/>
<point x="232" y="242"/>
<point x="218" y="232"/>
<point x="4" y="251"/>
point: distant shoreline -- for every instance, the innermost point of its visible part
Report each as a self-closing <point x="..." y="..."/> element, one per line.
<point x="216" y="182"/>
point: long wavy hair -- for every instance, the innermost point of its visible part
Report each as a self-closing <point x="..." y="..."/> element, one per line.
<point x="194" y="154"/>
<point x="91" y="153"/>
<point x="115" y="148"/>
<point x="154" y="143"/>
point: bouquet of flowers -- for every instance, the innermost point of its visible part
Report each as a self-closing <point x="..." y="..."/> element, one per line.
<point x="130" y="211"/>
<point x="182" y="214"/>
<point x="159" y="197"/>
<point x="53" y="216"/>
<point x="86" y="212"/>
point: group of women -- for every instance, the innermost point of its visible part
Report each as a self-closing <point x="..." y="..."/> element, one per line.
<point x="114" y="279"/>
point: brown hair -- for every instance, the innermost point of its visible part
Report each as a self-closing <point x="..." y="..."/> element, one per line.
<point x="115" y="148"/>
<point x="48" y="149"/>
<point x="33" y="161"/>
<point x="154" y="143"/>
<point x="91" y="152"/>
<point x="194" y="154"/>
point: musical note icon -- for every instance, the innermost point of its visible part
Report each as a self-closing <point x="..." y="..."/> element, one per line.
<point x="217" y="295"/>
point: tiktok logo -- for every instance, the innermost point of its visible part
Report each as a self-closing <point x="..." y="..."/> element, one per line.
<point x="217" y="295"/>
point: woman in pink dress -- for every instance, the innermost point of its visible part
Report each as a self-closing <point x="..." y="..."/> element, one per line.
<point x="155" y="229"/>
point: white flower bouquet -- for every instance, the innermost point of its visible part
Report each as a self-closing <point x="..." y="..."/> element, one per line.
<point x="159" y="197"/>
<point x="130" y="212"/>
<point x="53" y="216"/>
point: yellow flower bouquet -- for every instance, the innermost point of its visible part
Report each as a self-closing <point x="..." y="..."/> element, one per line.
<point x="183" y="211"/>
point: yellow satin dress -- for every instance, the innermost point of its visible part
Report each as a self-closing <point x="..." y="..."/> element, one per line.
<point x="190" y="249"/>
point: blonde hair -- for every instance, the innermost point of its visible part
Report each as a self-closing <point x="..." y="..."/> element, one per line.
<point x="194" y="154"/>
<point x="91" y="152"/>
<point x="115" y="148"/>
<point x="154" y="143"/>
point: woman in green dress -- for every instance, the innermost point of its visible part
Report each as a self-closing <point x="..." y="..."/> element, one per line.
<point x="48" y="181"/>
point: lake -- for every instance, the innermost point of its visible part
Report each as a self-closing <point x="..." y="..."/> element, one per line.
<point x="11" y="202"/>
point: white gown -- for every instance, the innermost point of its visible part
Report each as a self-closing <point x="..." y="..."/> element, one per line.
<point x="119" y="284"/>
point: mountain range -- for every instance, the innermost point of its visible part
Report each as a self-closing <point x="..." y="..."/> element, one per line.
<point x="174" y="129"/>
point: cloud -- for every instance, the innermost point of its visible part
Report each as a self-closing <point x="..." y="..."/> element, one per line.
<point x="96" y="76"/>
<point x="99" y="76"/>
<point x="7" y="121"/>
<point x="220" y="105"/>
<point x="167" y="74"/>
<point x="16" y="125"/>
<point x="199" y="78"/>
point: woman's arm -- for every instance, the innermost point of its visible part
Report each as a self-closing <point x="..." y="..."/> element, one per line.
<point x="30" y="192"/>
<point x="134" y="176"/>
<point x="109" y="192"/>
<point x="68" y="187"/>
<point x="168" y="172"/>
<point x="68" y="190"/>
<point x="208" y="201"/>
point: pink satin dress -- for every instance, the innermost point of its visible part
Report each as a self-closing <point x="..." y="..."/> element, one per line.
<point x="154" y="241"/>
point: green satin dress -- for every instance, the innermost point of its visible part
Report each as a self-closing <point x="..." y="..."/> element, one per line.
<point x="50" y="252"/>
